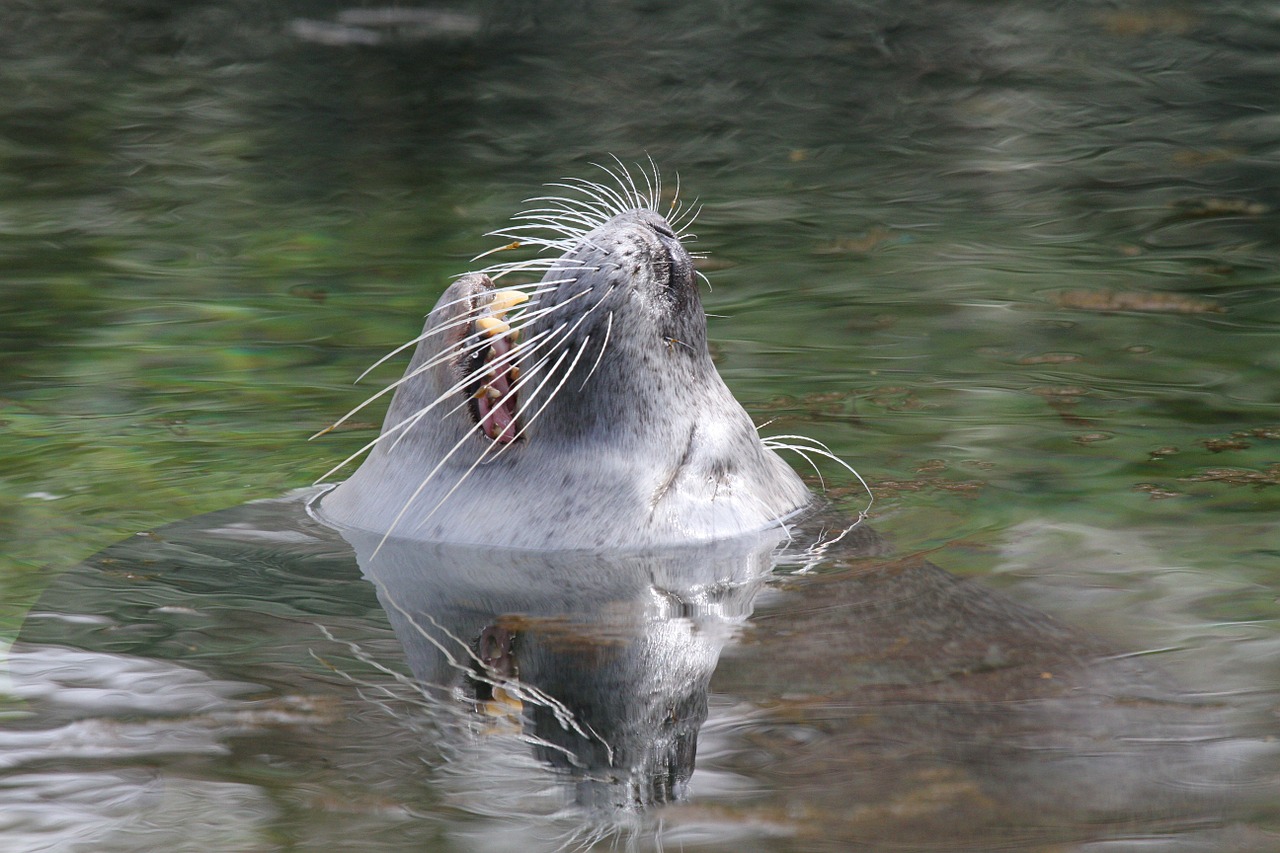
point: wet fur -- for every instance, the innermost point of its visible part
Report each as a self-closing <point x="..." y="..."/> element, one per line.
<point x="625" y="436"/>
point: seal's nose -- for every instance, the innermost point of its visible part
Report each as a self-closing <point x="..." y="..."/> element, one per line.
<point x="677" y="260"/>
<point x="680" y="264"/>
<point x="660" y="225"/>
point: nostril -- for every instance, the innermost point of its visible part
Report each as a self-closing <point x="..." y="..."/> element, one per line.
<point x="676" y="265"/>
<point x="662" y="228"/>
<point x="681" y="270"/>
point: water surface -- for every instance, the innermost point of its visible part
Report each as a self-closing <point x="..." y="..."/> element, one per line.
<point x="1015" y="261"/>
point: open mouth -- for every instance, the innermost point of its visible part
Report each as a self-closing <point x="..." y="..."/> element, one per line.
<point x="493" y="395"/>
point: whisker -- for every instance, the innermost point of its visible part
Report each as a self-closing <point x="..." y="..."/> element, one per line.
<point x="525" y="424"/>
<point x="651" y="200"/>
<point x="609" y="192"/>
<point x="650" y="180"/>
<point x="813" y="445"/>
<point x="469" y="344"/>
<point x="513" y="356"/>
<point x="412" y="420"/>
<point x="599" y="206"/>
<point x="594" y="211"/>
<point x="579" y="223"/>
<point x="520" y="351"/>
<point x="345" y="462"/>
<point x="431" y="475"/>
<point x="523" y="351"/>
<point x="410" y="342"/>
<point x="685" y="220"/>
<point x="593" y="201"/>
<point x="624" y="172"/>
<point x="608" y="329"/>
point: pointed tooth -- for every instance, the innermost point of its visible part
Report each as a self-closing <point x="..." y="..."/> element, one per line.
<point x="492" y="326"/>
<point x="514" y="373"/>
<point x="504" y="300"/>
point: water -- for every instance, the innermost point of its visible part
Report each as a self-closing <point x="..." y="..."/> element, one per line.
<point x="1016" y="262"/>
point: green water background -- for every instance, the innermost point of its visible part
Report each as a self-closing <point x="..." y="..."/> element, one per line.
<point x="1016" y="262"/>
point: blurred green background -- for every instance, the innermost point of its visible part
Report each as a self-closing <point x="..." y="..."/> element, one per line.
<point x="1017" y="262"/>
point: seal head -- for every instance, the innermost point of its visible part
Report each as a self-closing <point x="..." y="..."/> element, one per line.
<point x="593" y="419"/>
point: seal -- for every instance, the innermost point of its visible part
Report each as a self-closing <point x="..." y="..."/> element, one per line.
<point x="583" y="411"/>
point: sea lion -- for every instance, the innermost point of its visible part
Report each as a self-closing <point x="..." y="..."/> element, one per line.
<point x="594" y="419"/>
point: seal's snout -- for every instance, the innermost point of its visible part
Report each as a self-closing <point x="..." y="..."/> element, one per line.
<point x="672" y="263"/>
<point x="678" y="264"/>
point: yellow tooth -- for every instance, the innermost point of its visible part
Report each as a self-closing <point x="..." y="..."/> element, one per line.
<point x="504" y="300"/>
<point x="493" y="393"/>
<point x="514" y="373"/>
<point x="482" y="391"/>
<point x="510" y="700"/>
<point x="492" y="326"/>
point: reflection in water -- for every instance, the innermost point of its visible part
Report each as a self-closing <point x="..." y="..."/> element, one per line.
<point x="244" y="664"/>
<point x="602" y="660"/>
<point x="232" y="642"/>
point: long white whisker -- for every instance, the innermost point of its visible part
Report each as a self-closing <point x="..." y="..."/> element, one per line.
<point x="431" y="474"/>
<point x="412" y="341"/>
<point x="803" y="454"/>
<point x="610" y="193"/>
<point x="474" y="376"/>
<point x="608" y="329"/>
<point x="593" y="202"/>
<point x="598" y="206"/>
<point x="526" y="347"/>
<point x="539" y="223"/>
<point x="554" y="391"/>
<point x="682" y="227"/>
<point x="345" y="462"/>
<point x="469" y="344"/>
<point x="499" y="363"/>
<point x="412" y="420"/>
<point x="524" y="425"/>
<point x="817" y="447"/>
<point x="636" y="199"/>
<point x="651" y="200"/>
<point x="589" y="216"/>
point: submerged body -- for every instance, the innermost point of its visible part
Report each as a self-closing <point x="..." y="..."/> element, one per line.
<point x="595" y="419"/>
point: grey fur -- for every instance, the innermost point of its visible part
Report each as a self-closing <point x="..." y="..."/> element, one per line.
<point x="629" y="439"/>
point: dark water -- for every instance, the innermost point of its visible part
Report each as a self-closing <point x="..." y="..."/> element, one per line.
<point x="1015" y="261"/>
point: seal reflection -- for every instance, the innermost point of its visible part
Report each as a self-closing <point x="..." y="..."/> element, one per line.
<point x="598" y="662"/>
<point x="244" y="660"/>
